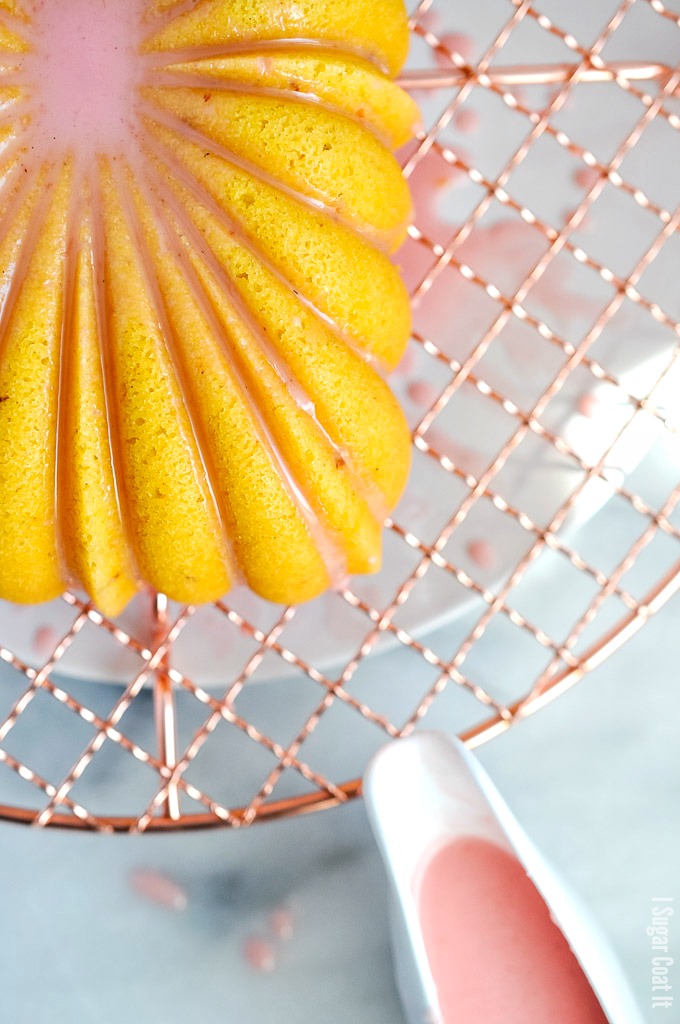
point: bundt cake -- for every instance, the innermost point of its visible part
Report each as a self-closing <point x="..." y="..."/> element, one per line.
<point x="198" y="201"/>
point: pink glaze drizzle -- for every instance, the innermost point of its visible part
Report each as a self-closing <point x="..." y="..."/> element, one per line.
<point x="590" y="406"/>
<point x="501" y="253"/>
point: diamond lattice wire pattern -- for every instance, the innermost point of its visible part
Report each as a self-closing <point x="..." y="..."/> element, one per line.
<point x="539" y="385"/>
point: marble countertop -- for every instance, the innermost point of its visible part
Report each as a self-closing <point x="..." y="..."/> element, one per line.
<point x="592" y="778"/>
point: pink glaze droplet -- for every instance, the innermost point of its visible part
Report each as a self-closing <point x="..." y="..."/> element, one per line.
<point x="456" y="42"/>
<point x="517" y="969"/>
<point x="584" y="224"/>
<point x="467" y="121"/>
<point x="45" y="640"/>
<point x="482" y="553"/>
<point x="431" y="20"/>
<point x="440" y="442"/>
<point x="415" y="513"/>
<point x="520" y="94"/>
<point x="465" y="459"/>
<point x="373" y="597"/>
<point x="586" y="177"/>
<point x="431" y="181"/>
<point x="221" y="644"/>
<point x="521" y="347"/>
<point x="590" y="406"/>
<point x="281" y="924"/>
<point x="158" y="888"/>
<point x="259" y="954"/>
<point x="422" y="393"/>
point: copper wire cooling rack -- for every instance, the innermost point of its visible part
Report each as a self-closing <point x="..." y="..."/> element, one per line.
<point x="545" y="333"/>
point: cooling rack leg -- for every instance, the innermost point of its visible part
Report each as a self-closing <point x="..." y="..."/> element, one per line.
<point x="165" y="711"/>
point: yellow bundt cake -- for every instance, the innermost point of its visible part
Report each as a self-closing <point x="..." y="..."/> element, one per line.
<point x="198" y="201"/>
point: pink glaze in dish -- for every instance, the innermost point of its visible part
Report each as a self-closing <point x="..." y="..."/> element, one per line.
<point x="495" y="954"/>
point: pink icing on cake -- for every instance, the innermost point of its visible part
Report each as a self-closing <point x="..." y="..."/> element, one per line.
<point x="84" y="83"/>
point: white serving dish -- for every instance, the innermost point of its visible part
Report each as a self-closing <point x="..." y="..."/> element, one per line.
<point x="428" y="789"/>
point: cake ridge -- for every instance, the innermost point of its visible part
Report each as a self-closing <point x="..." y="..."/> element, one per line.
<point x="159" y="58"/>
<point x="13" y="11"/>
<point x="120" y="179"/>
<point x="331" y="557"/>
<point x="31" y="339"/>
<point x="297" y="72"/>
<point x="116" y="577"/>
<point x="184" y="177"/>
<point x="297" y="392"/>
<point x="33" y="192"/>
<point x="196" y="183"/>
<point x="10" y="40"/>
<point x="67" y="332"/>
<point x="218" y="118"/>
<point x="173" y="123"/>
